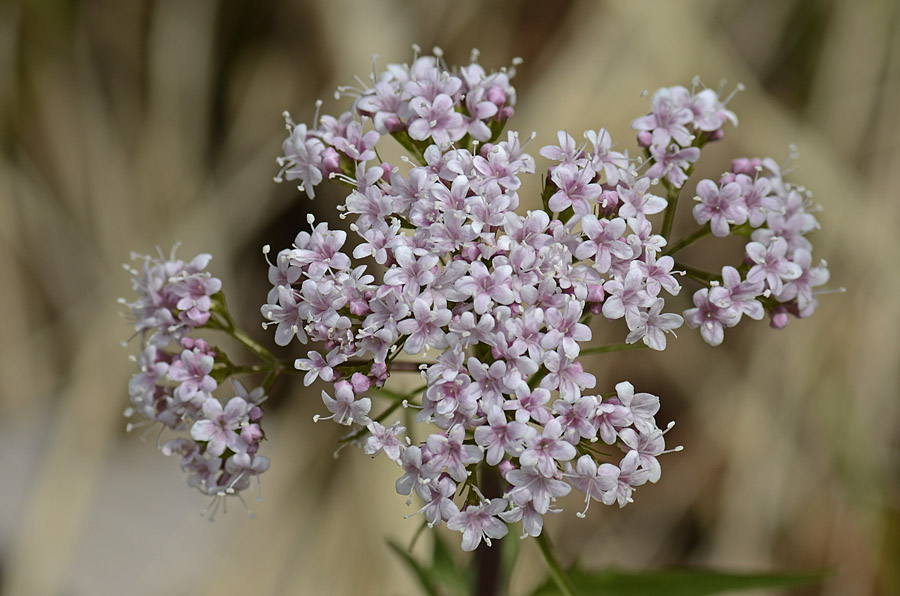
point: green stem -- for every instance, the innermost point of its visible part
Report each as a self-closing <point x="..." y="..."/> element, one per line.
<point x="699" y="275"/>
<point x="688" y="240"/>
<point x="613" y="348"/>
<point x="559" y="576"/>
<point x="672" y="194"/>
<point x="251" y="345"/>
<point x="398" y="396"/>
<point x="228" y="326"/>
<point x="410" y="145"/>
<point x="270" y="379"/>
<point x="249" y="369"/>
<point x="390" y="410"/>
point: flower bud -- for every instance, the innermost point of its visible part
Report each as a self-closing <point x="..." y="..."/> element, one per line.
<point x="360" y="383"/>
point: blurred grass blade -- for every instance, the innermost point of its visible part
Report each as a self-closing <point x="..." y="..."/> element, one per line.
<point x="422" y="574"/>
<point x="456" y="581"/>
<point x="676" y="583"/>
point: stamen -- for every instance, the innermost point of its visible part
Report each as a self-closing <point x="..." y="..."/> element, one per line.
<point x="316" y="115"/>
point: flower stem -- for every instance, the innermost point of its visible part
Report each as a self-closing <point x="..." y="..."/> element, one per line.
<point x="228" y="326"/>
<point x="559" y="576"/>
<point x="688" y="240"/>
<point x="613" y="348"/>
<point x="251" y="345"/>
<point x="488" y="559"/>
<point x="672" y="194"/>
<point x="699" y="275"/>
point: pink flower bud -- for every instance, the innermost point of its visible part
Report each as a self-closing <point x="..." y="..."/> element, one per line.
<point x="595" y="293"/>
<point x="331" y="160"/>
<point x="359" y="307"/>
<point x="379" y="371"/>
<point x="645" y="138"/>
<point x="496" y="96"/>
<point x="505" y="467"/>
<point x="727" y="178"/>
<point x="393" y="123"/>
<point x="780" y="318"/>
<point x="743" y="165"/>
<point x="251" y="434"/>
<point x="360" y="383"/>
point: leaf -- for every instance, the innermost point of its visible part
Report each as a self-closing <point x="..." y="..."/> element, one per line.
<point x="446" y="572"/>
<point x="422" y="574"/>
<point x="444" y="577"/>
<point x="676" y="582"/>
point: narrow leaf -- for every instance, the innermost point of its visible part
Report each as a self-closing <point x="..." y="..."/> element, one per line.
<point x="422" y="574"/>
<point x="677" y="582"/>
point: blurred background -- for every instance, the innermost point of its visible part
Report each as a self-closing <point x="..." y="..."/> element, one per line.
<point x="130" y="125"/>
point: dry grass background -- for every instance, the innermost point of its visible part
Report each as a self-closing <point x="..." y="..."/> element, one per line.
<point x="127" y="125"/>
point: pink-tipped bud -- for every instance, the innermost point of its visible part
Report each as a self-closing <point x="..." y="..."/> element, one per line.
<point x="331" y="160"/>
<point x="360" y="383"/>
<point x="716" y="135"/>
<point x="609" y="200"/>
<point x="744" y="165"/>
<point x="496" y="96"/>
<point x="251" y="434"/>
<point x="780" y="318"/>
<point x="506" y="113"/>
<point x="387" y="169"/>
<point x="380" y="372"/>
<point x="359" y="307"/>
<point x="256" y="413"/>
<point x="595" y="293"/>
<point x="393" y="124"/>
<point x="727" y="178"/>
<point x="645" y="138"/>
<point x="505" y="467"/>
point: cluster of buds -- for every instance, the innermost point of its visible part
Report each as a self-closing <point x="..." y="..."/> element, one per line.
<point x="179" y="373"/>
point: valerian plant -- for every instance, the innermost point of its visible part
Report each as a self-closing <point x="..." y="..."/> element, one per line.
<point x="492" y="304"/>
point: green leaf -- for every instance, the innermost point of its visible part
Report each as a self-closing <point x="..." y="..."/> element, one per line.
<point x="446" y="572"/>
<point x="444" y="577"/>
<point x="422" y="574"/>
<point x="676" y="582"/>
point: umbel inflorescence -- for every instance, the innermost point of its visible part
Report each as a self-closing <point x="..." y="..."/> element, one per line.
<point x="446" y="276"/>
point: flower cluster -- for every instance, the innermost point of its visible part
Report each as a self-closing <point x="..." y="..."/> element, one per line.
<point x="415" y="104"/>
<point x="491" y="306"/>
<point x="680" y="123"/>
<point x="778" y="266"/>
<point x="178" y="375"/>
<point x="495" y="303"/>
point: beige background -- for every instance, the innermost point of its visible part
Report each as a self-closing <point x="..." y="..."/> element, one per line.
<point x="127" y="125"/>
